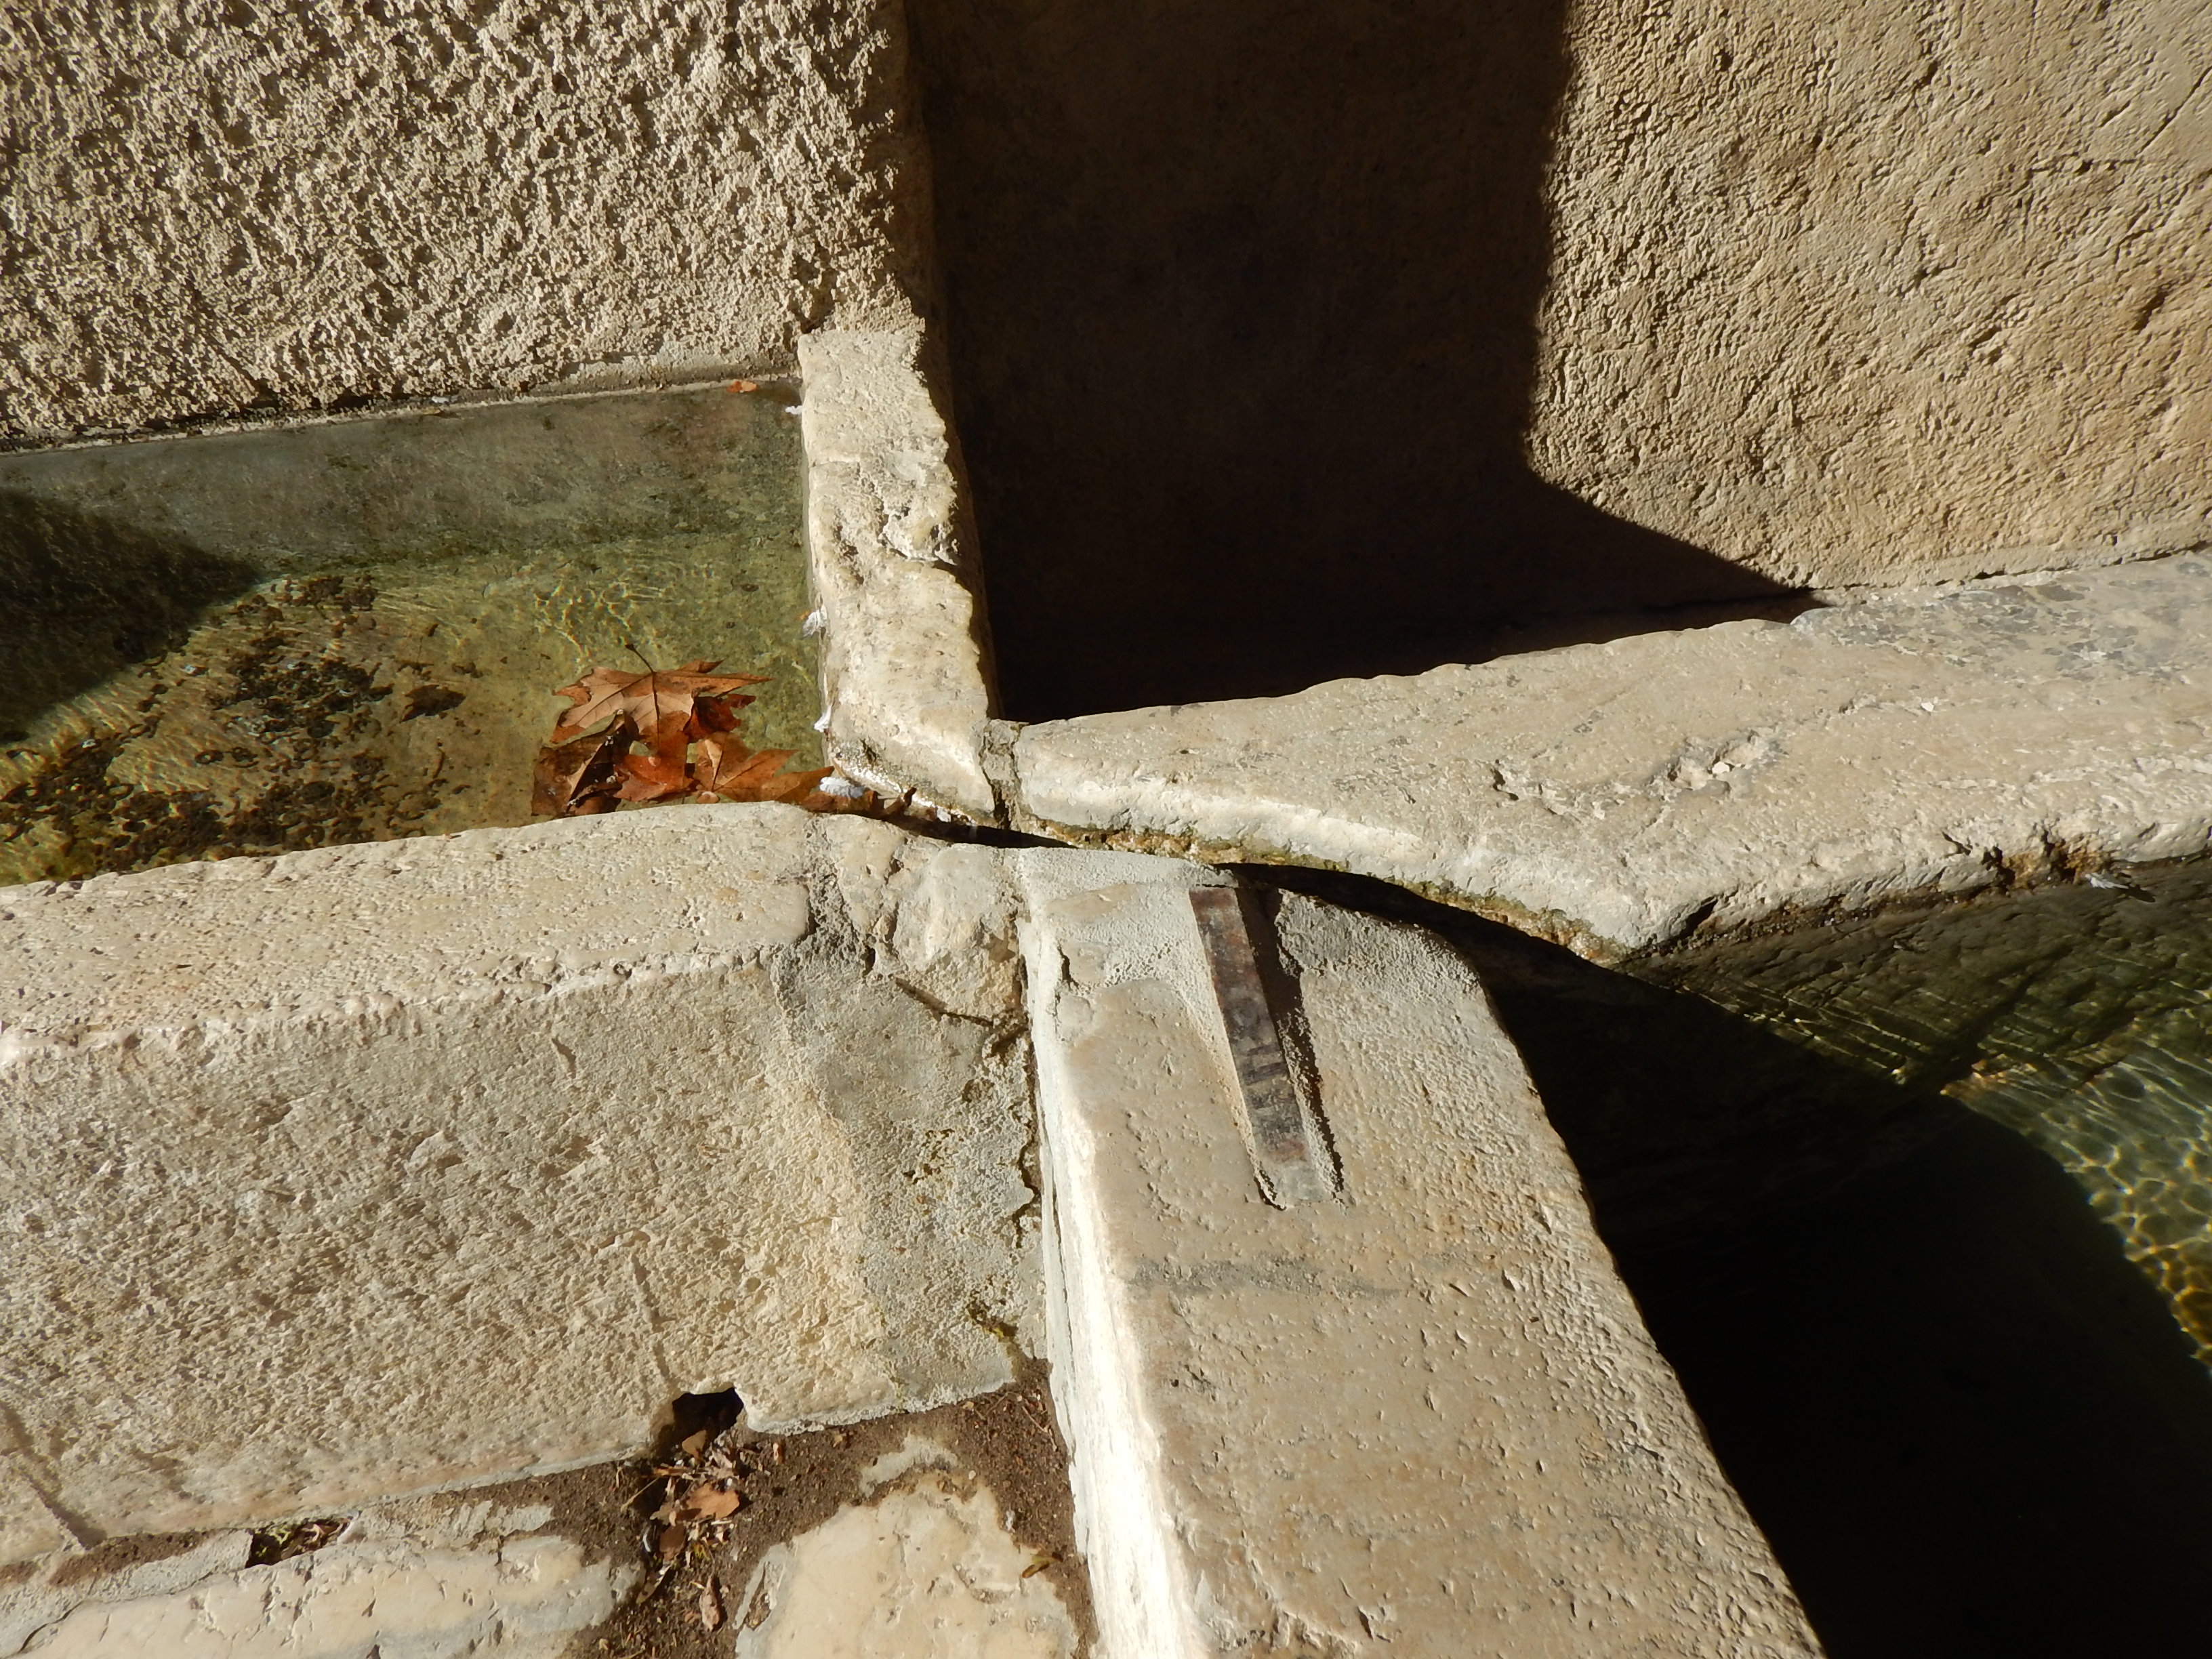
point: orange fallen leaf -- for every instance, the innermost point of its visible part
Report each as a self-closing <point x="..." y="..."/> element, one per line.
<point x="657" y="701"/>
<point x="661" y="774"/>
<point x="801" y="789"/>
<point x="744" y="385"/>
<point x="727" y="767"/>
<point x="710" y="714"/>
<point x="593" y="763"/>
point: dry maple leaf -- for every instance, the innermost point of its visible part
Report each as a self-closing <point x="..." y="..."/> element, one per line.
<point x="652" y="777"/>
<point x="711" y="714"/>
<point x="727" y="768"/>
<point x="657" y="702"/>
<point x="668" y="711"/>
<point x="661" y="774"/>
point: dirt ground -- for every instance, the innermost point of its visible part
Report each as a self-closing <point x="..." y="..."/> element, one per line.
<point x="1007" y="1440"/>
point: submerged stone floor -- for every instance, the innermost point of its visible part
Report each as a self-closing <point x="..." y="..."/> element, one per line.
<point x="2076" y="1014"/>
<point x="261" y="641"/>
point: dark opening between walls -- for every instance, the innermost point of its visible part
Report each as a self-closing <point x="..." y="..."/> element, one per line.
<point x="1969" y="1426"/>
<point x="1242" y="305"/>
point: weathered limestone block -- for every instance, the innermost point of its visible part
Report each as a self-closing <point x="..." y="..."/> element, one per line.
<point x="522" y="1600"/>
<point x="902" y="651"/>
<point x="1619" y="795"/>
<point x="400" y="1166"/>
<point x="925" y="1568"/>
<point x="1422" y="1417"/>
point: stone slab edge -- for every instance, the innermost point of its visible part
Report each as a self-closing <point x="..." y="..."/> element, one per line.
<point x="1499" y="1460"/>
<point x="1624" y="797"/>
<point x="904" y="658"/>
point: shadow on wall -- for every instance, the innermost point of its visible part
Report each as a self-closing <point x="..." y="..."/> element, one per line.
<point x="83" y="597"/>
<point x="1970" y="1427"/>
<point x="1241" y="321"/>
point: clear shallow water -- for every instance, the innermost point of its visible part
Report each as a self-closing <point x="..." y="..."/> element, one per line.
<point x="2078" y="1017"/>
<point x="263" y="642"/>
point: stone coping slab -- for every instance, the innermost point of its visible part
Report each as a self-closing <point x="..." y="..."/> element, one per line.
<point x="1618" y="796"/>
<point x="1420" y="1416"/>
<point x="397" y="1167"/>
<point x="903" y="671"/>
<point x="525" y="1595"/>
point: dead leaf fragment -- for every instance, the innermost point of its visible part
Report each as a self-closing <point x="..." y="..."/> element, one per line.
<point x="710" y="1604"/>
<point x="756" y="1614"/>
<point x="706" y="1504"/>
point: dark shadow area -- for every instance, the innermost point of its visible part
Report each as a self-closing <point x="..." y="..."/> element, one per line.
<point x="691" y="1414"/>
<point x="82" y="598"/>
<point x="1969" y="1426"/>
<point x="1241" y="303"/>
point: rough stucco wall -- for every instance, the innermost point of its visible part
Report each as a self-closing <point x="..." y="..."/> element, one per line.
<point x="1885" y="291"/>
<point x="215" y="204"/>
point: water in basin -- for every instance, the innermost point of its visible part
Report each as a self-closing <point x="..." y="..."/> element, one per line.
<point x="2078" y="1014"/>
<point x="261" y="641"/>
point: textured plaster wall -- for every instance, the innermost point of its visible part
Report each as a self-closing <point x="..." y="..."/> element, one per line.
<point x="1309" y="341"/>
<point x="1881" y="290"/>
<point x="210" y="204"/>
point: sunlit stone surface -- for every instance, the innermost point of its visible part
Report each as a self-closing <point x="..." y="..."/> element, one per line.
<point x="372" y="1171"/>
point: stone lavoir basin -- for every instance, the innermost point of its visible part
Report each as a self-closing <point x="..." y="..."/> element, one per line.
<point x="258" y="642"/>
<point x="1701" y="511"/>
<point x="1913" y="1199"/>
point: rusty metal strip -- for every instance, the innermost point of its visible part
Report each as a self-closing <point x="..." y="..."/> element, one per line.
<point x="1293" y="1166"/>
